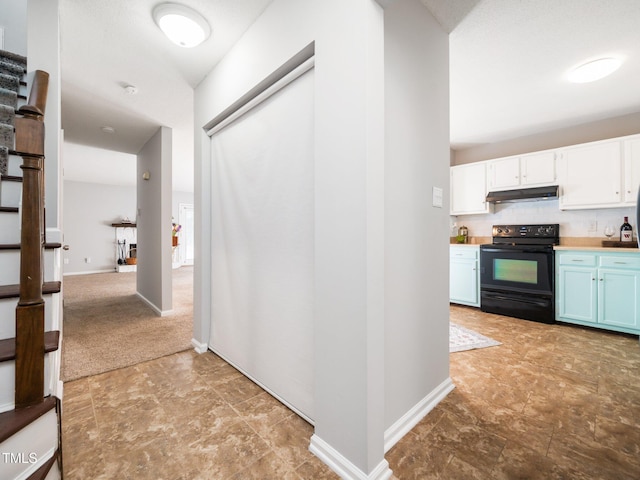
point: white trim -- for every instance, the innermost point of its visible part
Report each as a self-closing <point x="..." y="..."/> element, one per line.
<point x="199" y="347"/>
<point x="54" y="235"/>
<point x="5" y="407"/>
<point x="162" y="313"/>
<point x="410" y="419"/>
<point x="59" y="388"/>
<point x="342" y="466"/>
<point x="35" y="466"/>
<point x="90" y="272"/>
<point x="276" y="87"/>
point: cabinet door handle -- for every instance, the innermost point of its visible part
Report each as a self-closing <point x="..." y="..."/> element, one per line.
<point x="620" y="263"/>
<point x="577" y="260"/>
<point x="601" y="280"/>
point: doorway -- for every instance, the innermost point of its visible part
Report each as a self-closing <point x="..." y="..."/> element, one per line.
<point x="187" y="234"/>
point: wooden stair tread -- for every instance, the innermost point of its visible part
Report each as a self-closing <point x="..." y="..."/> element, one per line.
<point x="13" y="421"/>
<point x="16" y="246"/>
<point x="11" y="178"/>
<point x="13" y="291"/>
<point x="23" y="154"/>
<point x="44" y="470"/>
<point x="8" y="345"/>
<point x="9" y="209"/>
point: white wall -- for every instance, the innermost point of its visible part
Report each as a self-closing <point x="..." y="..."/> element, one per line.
<point x="583" y="133"/>
<point x="87" y="164"/>
<point x="350" y="232"/>
<point x="99" y="189"/>
<point x="154" y="222"/>
<point x="89" y="210"/>
<point x="573" y="223"/>
<point x="13" y="19"/>
<point x="416" y="240"/>
<point x="43" y="52"/>
<point x="349" y="235"/>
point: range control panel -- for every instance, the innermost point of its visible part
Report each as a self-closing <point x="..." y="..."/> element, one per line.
<point x="547" y="231"/>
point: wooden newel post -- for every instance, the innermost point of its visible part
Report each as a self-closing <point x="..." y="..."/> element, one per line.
<point x="30" y="349"/>
<point x="30" y="309"/>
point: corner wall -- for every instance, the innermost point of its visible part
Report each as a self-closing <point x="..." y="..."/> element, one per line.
<point x="351" y="319"/>
<point x="154" y="222"/>
<point x="349" y="189"/>
<point x="416" y="232"/>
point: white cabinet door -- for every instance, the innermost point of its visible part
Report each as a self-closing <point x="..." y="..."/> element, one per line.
<point x="468" y="189"/>
<point x="538" y="169"/>
<point x="464" y="277"/>
<point x="503" y="173"/>
<point x="591" y="176"/>
<point x="631" y="170"/>
<point x="532" y="170"/>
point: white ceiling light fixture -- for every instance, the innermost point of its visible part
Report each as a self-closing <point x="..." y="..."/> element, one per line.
<point x="594" y="70"/>
<point x="108" y="129"/>
<point x="182" y="25"/>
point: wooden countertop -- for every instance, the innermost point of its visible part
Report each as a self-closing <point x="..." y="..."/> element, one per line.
<point x="598" y="249"/>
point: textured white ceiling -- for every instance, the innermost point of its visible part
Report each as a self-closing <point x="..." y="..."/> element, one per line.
<point x="109" y="44"/>
<point x="507" y="62"/>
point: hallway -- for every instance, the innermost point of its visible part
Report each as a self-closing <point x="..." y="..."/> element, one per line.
<point x="553" y="401"/>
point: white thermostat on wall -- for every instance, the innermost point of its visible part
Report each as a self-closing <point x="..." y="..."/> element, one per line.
<point x="437" y="197"/>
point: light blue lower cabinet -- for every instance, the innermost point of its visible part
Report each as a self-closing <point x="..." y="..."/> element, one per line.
<point x="599" y="289"/>
<point x="464" y="275"/>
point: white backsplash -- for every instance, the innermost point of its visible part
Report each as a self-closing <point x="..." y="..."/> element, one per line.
<point x="573" y="223"/>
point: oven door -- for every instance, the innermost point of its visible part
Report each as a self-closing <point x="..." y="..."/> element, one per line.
<point x="525" y="269"/>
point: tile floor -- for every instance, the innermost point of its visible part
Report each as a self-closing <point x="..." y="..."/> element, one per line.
<point x="551" y="402"/>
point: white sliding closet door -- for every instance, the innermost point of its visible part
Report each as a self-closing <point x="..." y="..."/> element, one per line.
<point x="262" y="243"/>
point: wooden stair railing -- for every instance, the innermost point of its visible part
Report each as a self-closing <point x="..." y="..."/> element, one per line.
<point x="30" y="338"/>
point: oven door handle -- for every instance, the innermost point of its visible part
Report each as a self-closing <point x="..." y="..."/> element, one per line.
<point x="518" y="249"/>
<point x="520" y="299"/>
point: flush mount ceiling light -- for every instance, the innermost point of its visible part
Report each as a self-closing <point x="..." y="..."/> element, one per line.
<point x="108" y="129"/>
<point x="182" y="25"/>
<point x="594" y="70"/>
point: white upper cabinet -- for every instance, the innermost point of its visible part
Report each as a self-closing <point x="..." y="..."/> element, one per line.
<point x="590" y="175"/>
<point x="538" y="169"/>
<point x="468" y="189"/>
<point x="532" y="170"/>
<point x="503" y="173"/>
<point x="631" y="170"/>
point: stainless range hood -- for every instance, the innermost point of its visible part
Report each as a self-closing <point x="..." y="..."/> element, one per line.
<point x="523" y="194"/>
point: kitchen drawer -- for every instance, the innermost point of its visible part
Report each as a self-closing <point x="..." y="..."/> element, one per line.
<point x="620" y="262"/>
<point x="577" y="259"/>
<point x="463" y="253"/>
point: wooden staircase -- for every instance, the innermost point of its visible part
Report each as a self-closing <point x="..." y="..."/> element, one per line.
<point x="29" y="412"/>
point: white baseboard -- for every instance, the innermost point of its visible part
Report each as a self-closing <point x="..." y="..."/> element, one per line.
<point x="90" y="272"/>
<point x="198" y="346"/>
<point x="410" y="419"/>
<point x="342" y="466"/>
<point x="161" y="313"/>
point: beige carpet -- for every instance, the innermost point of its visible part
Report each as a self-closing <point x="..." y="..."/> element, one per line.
<point x="107" y="326"/>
